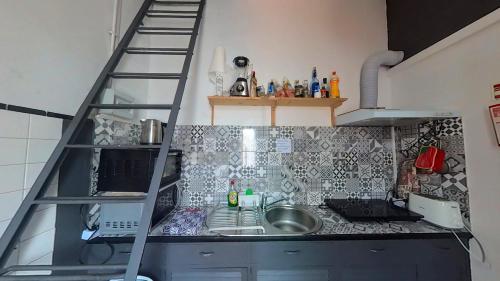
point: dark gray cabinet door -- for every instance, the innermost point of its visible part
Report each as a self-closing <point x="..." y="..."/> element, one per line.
<point x="208" y="274"/>
<point x="379" y="273"/>
<point x="442" y="260"/>
<point x="290" y="254"/>
<point x="365" y="260"/>
<point x="297" y="274"/>
<point x="441" y="272"/>
<point x="209" y="255"/>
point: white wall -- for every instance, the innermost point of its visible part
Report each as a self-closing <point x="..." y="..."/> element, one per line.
<point x="460" y="77"/>
<point x="26" y="142"/>
<point x="137" y="89"/>
<point x="53" y="50"/>
<point x="282" y="38"/>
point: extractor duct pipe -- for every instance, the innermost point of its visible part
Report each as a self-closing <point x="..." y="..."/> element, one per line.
<point x="369" y="76"/>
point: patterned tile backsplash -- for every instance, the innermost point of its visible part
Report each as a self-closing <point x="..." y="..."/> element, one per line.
<point x="451" y="185"/>
<point x="315" y="162"/>
<point x="109" y="131"/>
<point x="309" y="163"/>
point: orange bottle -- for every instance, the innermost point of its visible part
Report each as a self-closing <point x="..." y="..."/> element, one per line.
<point x="334" y="85"/>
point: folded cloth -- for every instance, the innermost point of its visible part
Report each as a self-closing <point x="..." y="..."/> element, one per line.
<point x="186" y="221"/>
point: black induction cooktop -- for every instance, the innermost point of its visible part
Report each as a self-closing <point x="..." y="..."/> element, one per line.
<point x="369" y="210"/>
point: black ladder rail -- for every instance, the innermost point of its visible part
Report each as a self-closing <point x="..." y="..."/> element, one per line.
<point x="103" y="267"/>
<point x="165" y="33"/>
<point x="142" y="75"/>
<point x="25" y="210"/>
<point x="28" y="268"/>
<point x="156" y="51"/>
<point x="88" y="277"/>
<point x="170" y="16"/>
<point x="164" y="28"/>
<point x="90" y="200"/>
<point x="153" y="30"/>
<point x="178" y="3"/>
<point x="113" y="146"/>
<point x="131" y="106"/>
<point x="171" y="12"/>
<point x="147" y="212"/>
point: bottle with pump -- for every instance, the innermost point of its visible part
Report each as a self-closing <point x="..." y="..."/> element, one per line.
<point x="315" y="87"/>
<point x="334" y="85"/>
<point x="232" y="196"/>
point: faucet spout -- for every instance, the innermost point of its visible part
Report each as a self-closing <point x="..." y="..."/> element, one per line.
<point x="265" y="205"/>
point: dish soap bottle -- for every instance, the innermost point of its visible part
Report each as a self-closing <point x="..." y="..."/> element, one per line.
<point x="232" y="196"/>
<point x="334" y="85"/>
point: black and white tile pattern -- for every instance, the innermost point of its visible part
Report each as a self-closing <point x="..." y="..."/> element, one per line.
<point x="453" y="184"/>
<point x="324" y="162"/>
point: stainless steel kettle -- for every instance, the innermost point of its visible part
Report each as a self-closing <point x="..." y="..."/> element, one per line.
<point x="151" y="131"/>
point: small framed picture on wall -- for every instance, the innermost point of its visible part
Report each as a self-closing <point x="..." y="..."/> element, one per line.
<point x="495" y="117"/>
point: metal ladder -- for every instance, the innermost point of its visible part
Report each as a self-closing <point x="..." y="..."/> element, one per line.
<point x="20" y="220"/>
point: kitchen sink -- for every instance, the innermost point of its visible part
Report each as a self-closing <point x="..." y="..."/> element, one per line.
<point x="292" y="220"/>
<point x="283" y="220"/>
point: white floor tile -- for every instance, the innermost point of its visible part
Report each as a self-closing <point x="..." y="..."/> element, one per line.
<point x="45" y="127"/>
<point x="13" y="124"/>
<point x="9" y="202"/>
<point x="32" y="172"/>
<point x="45" y="260"/>
<point x="11" y="178"/>
<point x="41" y="222"/>
<point x="39" y="150"/>
<point x="12" y="151"/>
<point x="36" y="247"/>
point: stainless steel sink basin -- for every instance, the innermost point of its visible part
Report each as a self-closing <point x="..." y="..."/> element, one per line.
<point x="293" y="220"/>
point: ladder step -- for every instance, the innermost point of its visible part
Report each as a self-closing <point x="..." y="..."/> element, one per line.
<point x="27" y="268"/>
<point x="171" y="12"/>
<point x="132" y="106"/>
<point x="170" y="16"/>
<point x="163" y="33"/>
<point x="146" y="28"/>
<point x="89" y="277"/>
<point x="116" y="146"/>
<point x="176" y="3"/>
<point x="165" y="30"/>
<point x="155" y="51"/>
<point x="15" y="268"/>
<point x="133" y="75"/>
<point x="89" y="200"/>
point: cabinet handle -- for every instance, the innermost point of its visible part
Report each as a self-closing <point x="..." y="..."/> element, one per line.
<point x="206" y="254"/>
<point x="292" y="252"/>
<point x="377" y="250"/>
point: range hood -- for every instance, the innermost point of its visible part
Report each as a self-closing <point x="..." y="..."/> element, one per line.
<point x="372" y="116"/>
<point x="390" y="117"/>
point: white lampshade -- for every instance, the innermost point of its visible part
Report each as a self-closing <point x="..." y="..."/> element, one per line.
<point x="218" y="64"/>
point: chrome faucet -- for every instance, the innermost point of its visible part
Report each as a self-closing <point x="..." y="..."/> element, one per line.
<point x="265" y="205"/>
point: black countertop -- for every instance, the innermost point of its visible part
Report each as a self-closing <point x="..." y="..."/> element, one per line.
<point x="334" y="228"/>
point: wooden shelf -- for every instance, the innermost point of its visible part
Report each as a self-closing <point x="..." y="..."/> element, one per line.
<point x="332" y="103"/>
